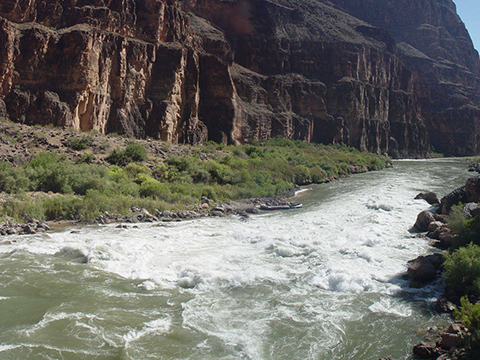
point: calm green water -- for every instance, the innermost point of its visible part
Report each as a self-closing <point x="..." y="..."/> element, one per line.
<point x="322" y="282"/>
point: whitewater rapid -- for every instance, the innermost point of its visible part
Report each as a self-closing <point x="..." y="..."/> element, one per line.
<point x="322" y="282"/>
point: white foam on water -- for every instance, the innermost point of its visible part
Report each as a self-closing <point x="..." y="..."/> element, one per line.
<point x="4" y="348"/>
<point x="391" y="307"/>
<point x="50" y="317"/>
<point x="158" y="326"/>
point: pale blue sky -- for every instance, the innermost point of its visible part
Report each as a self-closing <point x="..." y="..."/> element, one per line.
<point x="469" y="11"/>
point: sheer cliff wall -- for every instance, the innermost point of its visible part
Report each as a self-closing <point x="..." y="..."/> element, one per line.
<point x="359" y="72"/>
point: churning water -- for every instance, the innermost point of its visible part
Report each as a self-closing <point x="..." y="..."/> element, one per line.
<point x="321" y="282"/>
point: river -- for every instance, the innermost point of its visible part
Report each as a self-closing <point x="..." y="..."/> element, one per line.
<point x="321" y="282"/>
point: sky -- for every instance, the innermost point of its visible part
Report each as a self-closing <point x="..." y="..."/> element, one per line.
<point x="469" y="11"/>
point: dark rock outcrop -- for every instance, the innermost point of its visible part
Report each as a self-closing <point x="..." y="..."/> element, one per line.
<point x="424" y="269"/>
<point x="472" y="190"/>
<point x="455" y="197"/>
<point x="429" y="197"/>
<point x="443" y="344"/>
<point x="382" y="76"/>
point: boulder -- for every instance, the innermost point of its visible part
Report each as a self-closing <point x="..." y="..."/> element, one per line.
<point x="217" y="213"/>
<point x="451" y="340"/>
<point x="435" y="225"/>
<point x="472" y="189"/>
<point x="440" y="218"/>
<point x="436" y="259"/>
<point x="429" y="197"/>
<point x="454" y="198"/>
<point x="444" y="306"/>
<point x="44" y="226"/>
<point x="29" y="229"/>
<point x="424" y="351"/>
<point x="445" y="240"/>
<point x="423" y="220"/>
<point x="138" y="217"/>
<point x="424" y="269"/>
<point x="167" y="214"/>
<point x="471" y="209"/>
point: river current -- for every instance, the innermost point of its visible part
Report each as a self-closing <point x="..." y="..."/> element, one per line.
<point x="322" y="282"/>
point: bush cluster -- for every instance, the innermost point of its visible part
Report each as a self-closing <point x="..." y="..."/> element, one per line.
<point x="462" y="263"/>
<point x="469" y="315"/>
<point x="466" y="230"/>
<point x="79" y="143"/>
<point x="462" y="270"/>
<point x="133" y="152"/>
<point x="462" y="273"/>
<point x="232" y="173"/>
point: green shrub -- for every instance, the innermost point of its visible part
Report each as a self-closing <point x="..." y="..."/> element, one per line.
<point x="77" y="143"/>
<point x="159" y="170"/>
<point x="201" y="176"/>
<point x="45" y="159"/>
<point x="86" y="158"/>
<point x="134" y="169"/>
<point x="132" y="153"/>
<point x="62" y="208"/>
<point x="318" y="175"/>
<point x="23" y="209"/>
<point x="240" y="153"/>
<point x="135" y="152"/>
<point x="222" y="174"/>
<point x="469" y="315"/>
<point x="302" y="175"/>
<point x="84" y="177"/>
<point x="466" y="230"/>
<point x="253" y="151"/>
<point x="155" y="189"/>
<point x="183" y="163"/>
<point x="115" y="157"/>
<point x="50" y="172"/>
<point x="462" y="270"/>
<point x="13" y="179"/>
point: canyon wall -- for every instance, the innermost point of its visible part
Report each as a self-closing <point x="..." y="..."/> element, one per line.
<point x="385" y="76"/>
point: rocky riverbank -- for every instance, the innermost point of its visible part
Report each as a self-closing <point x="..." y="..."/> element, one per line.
<point x="449" y="343"/>
<point x="207" y="208"/>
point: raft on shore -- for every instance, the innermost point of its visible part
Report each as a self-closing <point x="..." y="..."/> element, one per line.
<point x="280" y="206"/>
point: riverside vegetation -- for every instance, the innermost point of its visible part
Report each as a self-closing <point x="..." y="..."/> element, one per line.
<point x="462" y="274"/>
<point x="80" y="176"/>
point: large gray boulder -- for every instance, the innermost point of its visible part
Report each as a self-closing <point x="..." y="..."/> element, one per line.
<point x="424" y="219"/>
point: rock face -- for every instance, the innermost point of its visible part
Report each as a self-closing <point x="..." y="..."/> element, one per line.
<point x="381" y="75"/>
<point x="424" y="269"/>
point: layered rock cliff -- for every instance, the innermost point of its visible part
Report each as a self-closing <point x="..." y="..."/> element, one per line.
<point x="384" y="76"/>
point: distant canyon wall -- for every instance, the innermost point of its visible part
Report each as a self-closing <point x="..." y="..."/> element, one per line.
<point x="394" y="77"/>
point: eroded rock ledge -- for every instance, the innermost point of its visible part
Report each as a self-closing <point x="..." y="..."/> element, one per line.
<point x="243" y="70"/>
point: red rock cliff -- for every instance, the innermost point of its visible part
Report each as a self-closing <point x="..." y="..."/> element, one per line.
<point x="241" y="70"/>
